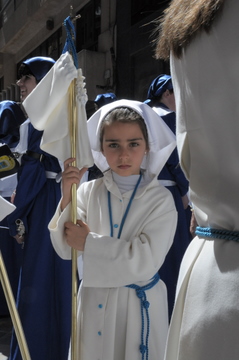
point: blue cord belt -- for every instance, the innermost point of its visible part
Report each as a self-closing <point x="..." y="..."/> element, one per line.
<point x="144" y="305"/>
<point x="217" y="233"/>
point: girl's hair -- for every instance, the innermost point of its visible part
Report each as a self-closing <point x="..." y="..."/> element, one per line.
<point x="23" y="71"/>
<point x="124" y="115"/>
<point x="181" y="22"/>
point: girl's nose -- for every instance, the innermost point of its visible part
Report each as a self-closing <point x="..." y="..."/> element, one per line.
<point x="124" y="153"/>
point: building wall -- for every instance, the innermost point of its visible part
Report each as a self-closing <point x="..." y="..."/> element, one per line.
<point x="120" y="60"/>
<point x="25" y="30"/>
<point x="136" y="64"/>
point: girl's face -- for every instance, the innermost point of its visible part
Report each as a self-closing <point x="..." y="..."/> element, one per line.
<point x="124" y="147"/>
<point x="26" y="84"/>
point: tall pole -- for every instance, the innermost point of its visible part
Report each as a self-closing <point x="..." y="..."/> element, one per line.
<point x="13" y="311"/>
<point x="73" y="128"/>
<point x="73" y="116"/>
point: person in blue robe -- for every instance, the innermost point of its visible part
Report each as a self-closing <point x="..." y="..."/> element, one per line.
<point x="160" y="97"/>
<point x="44" y="289"/>
<point x="11" y="117"/>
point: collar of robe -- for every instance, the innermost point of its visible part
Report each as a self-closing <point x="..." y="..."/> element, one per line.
<point x="126" y="211"/>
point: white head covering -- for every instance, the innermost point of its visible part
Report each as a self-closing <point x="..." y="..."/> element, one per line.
<point x="161" y="139"/>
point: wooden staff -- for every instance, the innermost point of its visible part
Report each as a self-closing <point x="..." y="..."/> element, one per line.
<point x="13" y="311"/>
<point x="73" y="132"/>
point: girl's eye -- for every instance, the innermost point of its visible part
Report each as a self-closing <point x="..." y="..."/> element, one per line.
<point x="134" y="144"/>
<point x="113" y="145"/>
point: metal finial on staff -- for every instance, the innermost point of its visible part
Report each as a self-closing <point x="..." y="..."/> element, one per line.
<point x="13" y="311"/>
<point x="73" y="18"/>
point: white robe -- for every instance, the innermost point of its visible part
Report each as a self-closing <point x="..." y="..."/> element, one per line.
<point x="205" y="322"/>
<point x="109" y="317"/>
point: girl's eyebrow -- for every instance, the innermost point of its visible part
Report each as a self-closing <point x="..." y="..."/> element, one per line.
<point x="135" y="139"/>
<point x="109" y="140"/>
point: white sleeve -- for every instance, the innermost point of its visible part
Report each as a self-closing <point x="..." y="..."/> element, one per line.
<point x="56" y="228"/>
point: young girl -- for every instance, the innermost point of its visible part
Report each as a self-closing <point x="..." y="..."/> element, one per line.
<point x="126" y="226"/>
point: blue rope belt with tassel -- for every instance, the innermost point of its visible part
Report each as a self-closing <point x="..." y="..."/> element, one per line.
<point x="144" y="306"/>
<point x="210" y="233"/>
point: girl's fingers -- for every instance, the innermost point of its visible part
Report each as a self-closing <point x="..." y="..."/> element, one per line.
<point x="79" y="223"/>
<point x="82" y="171"/>
<point x="71" y="170"/>
<point x="68" y="162"/>
<point x="68" y="224"/>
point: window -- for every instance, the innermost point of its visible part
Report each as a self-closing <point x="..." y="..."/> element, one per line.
<point x="88" y="26"/>
<point x="7" y="8"/>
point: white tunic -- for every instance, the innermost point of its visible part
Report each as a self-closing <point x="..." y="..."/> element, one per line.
<point x="109" y="313"/>
<point x="205" y="323"/>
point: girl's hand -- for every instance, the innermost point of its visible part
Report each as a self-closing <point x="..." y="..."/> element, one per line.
<point x="76" y="234"/>
<point x="71" y="175"/>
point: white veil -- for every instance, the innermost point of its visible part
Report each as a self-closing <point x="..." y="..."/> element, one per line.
<point x="162" y="141"/>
